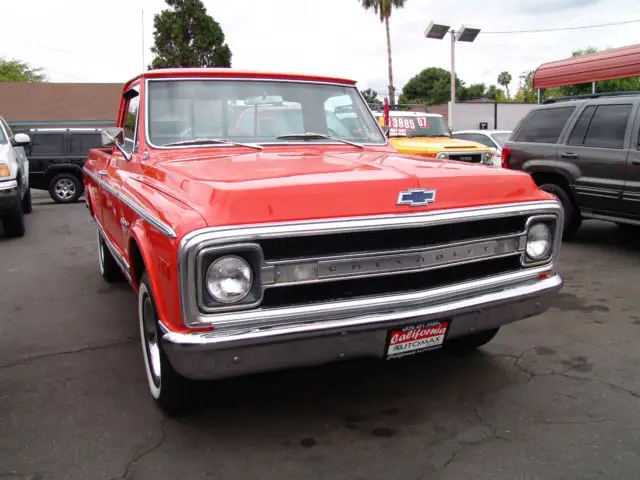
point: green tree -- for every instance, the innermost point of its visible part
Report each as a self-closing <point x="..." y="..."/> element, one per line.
<point x="383" y="9"/>
<point x="473" y="91"/>
<point x="431" y="86"/>
<point x="504" y="79"/>
<point x="495" y="94"/>
<point x="371" y="96"/>
<point x="18" y="71"/>
<point x="186" y="36"/>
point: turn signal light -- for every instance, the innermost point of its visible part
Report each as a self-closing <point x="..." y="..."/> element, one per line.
<point x="4" y="171"/>
<point x="506" y="155"/>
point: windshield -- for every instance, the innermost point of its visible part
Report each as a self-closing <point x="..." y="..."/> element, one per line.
<point x="257" y="112"/>
<point x="501" y="138"/>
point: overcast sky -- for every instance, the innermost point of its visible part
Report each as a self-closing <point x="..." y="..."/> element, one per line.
<point x="101" y="41"/>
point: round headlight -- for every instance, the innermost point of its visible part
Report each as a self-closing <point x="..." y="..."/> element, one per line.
<point x="442" y="156"/>
<point x="229" y="279"/>
<point x="486" y="157"/>
<point x="538" y="241"/>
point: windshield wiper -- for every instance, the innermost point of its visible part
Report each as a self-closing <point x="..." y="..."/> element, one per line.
<point x="317" y="135"/>
<point x="201" y="141"/>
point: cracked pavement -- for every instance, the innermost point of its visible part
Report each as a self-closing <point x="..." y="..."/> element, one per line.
<point x="553" y="397"/>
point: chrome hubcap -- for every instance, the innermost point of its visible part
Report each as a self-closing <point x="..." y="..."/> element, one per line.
<point x="65" y="189"/>
<point x="151" y="339"/>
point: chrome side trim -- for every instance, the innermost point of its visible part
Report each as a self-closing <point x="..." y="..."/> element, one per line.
<point x="193" y="242"/>
<point x="120" y="260"/>
<point x="8" y="185"/>
<point x="147" y="216"/>
<point x="244" y="79"/>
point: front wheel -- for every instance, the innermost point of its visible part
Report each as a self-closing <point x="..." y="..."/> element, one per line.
<point x="27" y="207"/>
<point x="13" y="221"/>
<point x="109" y="269"/>
<point x="167" y="387"/>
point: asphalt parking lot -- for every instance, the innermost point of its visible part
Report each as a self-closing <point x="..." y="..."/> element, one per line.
<point x="554" y="397"/>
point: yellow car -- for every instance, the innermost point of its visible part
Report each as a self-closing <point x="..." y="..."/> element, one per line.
<point x="428" y="135"/>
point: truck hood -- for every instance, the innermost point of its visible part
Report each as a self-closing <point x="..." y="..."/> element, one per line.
<point x="435" y="144"/>
<point x="271" y="186"/>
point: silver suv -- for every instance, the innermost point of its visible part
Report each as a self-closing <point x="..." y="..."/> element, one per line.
<point x="15" y="195"/>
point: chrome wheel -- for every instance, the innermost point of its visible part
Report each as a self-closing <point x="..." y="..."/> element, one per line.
<point x="101" y="253"/>
<point x="65" y="189"/>
<point x="150" y="339"/>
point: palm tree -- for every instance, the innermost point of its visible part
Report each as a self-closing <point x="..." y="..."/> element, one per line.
<point x="383" y="8"/>
<point x="504" y="79"/>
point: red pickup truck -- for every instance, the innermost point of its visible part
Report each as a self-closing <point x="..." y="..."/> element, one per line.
<point x="258" y="242"/>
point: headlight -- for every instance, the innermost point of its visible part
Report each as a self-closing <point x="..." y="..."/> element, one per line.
<point x="229" y="279"/>
<point x="486" y="158"/>
<point x="442" y="156"/>
<point x="4" y="170"/>
<point x="539" y="241"/>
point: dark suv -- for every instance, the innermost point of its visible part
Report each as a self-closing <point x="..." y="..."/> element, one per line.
<point x="56" y="157"/>
<point x="586" y="152"/>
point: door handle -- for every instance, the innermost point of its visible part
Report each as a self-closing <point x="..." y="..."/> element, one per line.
<point x="102" y="172"/>
<point x="635" y="161"/>
<point x="569" y="155"/>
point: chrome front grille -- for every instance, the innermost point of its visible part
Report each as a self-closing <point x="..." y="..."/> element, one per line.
<point x="466" y="157"/>
<point x="324" y="266"/>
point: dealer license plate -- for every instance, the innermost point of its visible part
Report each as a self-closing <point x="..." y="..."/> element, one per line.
<point x="418" y="338"/>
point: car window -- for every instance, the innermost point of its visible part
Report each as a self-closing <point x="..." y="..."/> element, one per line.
<point x="544" y="125"/>
<point x="47" y="143"/>
<point x="482" y="139"/>
<point x="608" y="126"/>
<point x="580" y="129"/>
<point x="501" y="138"/>
<point x="81" y="143"/>
<point x="2" y="137"/>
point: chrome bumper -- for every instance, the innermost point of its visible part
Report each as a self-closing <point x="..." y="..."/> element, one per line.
<point x="230" y="352"/>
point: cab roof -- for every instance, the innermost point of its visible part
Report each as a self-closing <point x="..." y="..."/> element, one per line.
<point x="236" y="73"/>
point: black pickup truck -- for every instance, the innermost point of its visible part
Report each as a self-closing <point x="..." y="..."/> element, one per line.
<point x="56" y="157"/>
<point x="586" y="152"/>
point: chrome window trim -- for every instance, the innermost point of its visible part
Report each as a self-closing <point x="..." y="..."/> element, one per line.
<point x="247" y="79"/>
<point x="147" y="216"/>
<point x="194" y="241"/>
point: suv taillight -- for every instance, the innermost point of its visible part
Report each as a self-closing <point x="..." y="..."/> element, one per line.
<point x="506" y="153"/>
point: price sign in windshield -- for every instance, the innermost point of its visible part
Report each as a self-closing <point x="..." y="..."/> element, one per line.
<point x="400" y="125"/>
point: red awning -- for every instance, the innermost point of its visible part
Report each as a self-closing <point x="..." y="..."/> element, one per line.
<point x="593" y="67"/>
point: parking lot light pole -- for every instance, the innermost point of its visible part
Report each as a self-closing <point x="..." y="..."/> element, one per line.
<point x="465" y="33"/>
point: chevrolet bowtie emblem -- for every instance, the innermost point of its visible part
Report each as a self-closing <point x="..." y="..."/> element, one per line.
<point x="416" y="197"/>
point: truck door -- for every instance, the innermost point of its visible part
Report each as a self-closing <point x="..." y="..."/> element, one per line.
<point x="631" y="194"/>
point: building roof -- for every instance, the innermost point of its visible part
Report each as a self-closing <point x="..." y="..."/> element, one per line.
<point x="59" y="103"/>
<point x="593" y="67"/>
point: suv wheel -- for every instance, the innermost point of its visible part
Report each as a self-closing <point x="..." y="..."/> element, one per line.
<point x="26" y="202"/>
<point x="572" y="219"/>
<point x="13" y="221"/>
<point x="65" y="188"/>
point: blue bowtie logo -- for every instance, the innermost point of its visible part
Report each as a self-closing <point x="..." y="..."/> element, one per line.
<point x="416" y="197"/>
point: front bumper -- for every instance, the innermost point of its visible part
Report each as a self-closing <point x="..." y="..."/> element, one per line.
<point x="9" y="194"/>
<point x="242" y="351"/>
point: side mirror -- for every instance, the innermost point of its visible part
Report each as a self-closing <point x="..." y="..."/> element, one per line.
<point x="114" y="137"/>
<point x="21" y="140"/>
